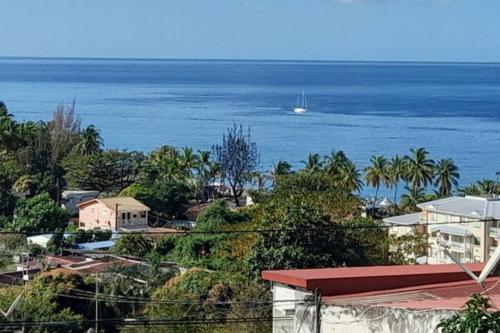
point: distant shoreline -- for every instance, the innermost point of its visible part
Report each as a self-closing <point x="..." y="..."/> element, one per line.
<point x="288" y="61"/>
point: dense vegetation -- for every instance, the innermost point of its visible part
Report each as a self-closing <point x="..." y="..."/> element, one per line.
<point x="308" y="217"/>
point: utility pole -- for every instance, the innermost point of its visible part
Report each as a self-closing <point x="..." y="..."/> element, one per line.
<point x="96" y="303"/>
<point x="317" y="303"/>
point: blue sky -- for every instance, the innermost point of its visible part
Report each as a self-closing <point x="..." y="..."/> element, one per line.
<point x="422" y="30"/>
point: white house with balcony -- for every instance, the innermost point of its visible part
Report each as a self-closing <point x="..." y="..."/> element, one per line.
<point x="468" y="226"/>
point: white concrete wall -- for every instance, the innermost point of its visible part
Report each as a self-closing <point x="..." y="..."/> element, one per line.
<point x="365" y="319"/>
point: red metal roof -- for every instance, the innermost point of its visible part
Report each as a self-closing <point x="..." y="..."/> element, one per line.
<point x="451" y="296"/>
<point x="349" y="280"/>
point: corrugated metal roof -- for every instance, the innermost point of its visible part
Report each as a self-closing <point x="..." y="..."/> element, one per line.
<point x="469" y="206"/>
<point x="450" y="296"/>
<point x="407" y="219"/>
<point x="123" y="203"/>
<point x="452" y="230"/>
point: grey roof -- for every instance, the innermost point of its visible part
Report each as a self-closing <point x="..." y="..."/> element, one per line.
<point x="469" y="206"/>
<point x="407" y="219"/>
<point x="452" y="230"/>
<point x="97" y="245"/>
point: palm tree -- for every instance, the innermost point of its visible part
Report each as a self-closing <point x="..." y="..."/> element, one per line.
<point x="395" y="172"/>
<point x="488" y="186"/>
<point x="313" y="163"/>
<point x="412" y="198"/>
<point x="349" y="177"/>
<point x="280" y="168"/>
<point x="419" y="168"/>
<point x="376" y="173"/>
<point x="446" y="175"/>
<point x="335" y="161"/>
<point x="187" y="161"/>
<point x="90" y="141"/>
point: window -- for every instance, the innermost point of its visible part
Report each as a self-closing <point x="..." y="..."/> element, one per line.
<point x="82" y="224"/>
<point x="463" y="220"/>
<point x="143" y="214"/>
<point x="134" y="216"/>
<point x="128" y="216"/>
<point x="123" y="216"/>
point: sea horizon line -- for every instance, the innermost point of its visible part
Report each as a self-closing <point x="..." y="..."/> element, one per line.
<point x="340" y="61"/>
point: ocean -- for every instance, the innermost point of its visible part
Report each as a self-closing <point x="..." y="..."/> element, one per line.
<point x="363" y="108"/>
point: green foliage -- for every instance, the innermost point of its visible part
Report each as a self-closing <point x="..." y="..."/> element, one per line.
<point x="476" y="317"/>
<point x="303" y="236"/>
<point x="168" y="198"/>
<point x="133" y="244"/>
<point x="41" y="303"/>
<point x="39" y="214"/>
<point x="8" y="176"/>
<point x="107" y="171"/>
<point x="212" y="251"/>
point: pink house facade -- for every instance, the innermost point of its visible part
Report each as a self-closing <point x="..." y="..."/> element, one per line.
<point x="120" y="213"/>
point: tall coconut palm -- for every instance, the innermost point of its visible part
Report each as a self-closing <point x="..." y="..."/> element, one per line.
<point x="280" y="168"/>
<point x="335" y="161"/>
<point x="419" y="168"/>
<point x="445" y="176"/>
<point x="349" y="178"/>
<point x="187" y="161"/>
<point x="412" y="198"/>
<point x="395" y="173"/>
<point x="90" y="141"/>
<point x="376" y="173"/>
<point x="313" y="163"/>
<point x="488" y="186"/>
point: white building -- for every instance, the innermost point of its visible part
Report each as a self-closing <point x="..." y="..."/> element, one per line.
<point x="468" y="226"/>
<point x="397" y="299"/>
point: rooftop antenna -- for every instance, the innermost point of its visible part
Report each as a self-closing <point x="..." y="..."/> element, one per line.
<point x="489" y="268"/>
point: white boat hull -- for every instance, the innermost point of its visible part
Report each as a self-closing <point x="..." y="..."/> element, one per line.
<point x="300" y="110"/>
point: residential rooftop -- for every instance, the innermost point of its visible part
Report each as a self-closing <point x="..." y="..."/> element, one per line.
<point x="486" y="208"/>
<point x="123" y="203"/>
<point x="408" y="219"/>
<point x="439" y="296"/>
<point x="349" y="280"/>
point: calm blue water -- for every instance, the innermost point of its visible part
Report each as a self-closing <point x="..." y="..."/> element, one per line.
<point x="362" y="108"/>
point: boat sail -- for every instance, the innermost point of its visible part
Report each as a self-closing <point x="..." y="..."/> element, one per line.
<point x="302" y="108"/>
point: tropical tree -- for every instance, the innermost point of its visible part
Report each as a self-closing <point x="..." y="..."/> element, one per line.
<point x="313" y="163"/>
<point x="39" y="214"/>
<point x="280" y="168"/>
<point x="187" y="161"/>
<point x="376" y="173"/>
<point x="445" y="176"/>
<point x="238" y="157"/>
<point x="396" y="171"/>
<point x="419" y="168"/>
<point x="349" y="177"/>
<point x="335" y="161"/>
<point x="412" y="198"/>
<point x="90" y="141"/>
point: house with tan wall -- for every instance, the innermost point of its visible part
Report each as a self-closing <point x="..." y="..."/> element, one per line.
<point x="115" y="214"/>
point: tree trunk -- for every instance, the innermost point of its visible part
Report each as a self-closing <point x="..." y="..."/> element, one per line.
<point x="395" y="193"/>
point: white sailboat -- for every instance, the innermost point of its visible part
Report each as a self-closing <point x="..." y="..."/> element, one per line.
<point x="302" y="108"/>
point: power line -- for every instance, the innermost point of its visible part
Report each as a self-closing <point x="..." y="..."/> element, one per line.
<point x="245" y="231"/>
<point x="185" y="321"/>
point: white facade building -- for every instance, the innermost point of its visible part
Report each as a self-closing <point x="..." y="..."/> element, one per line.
<point x="468" y="226"/>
